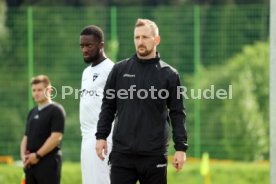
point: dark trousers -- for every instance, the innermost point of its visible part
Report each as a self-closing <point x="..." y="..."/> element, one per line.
<point x="46" y="171"/>
<point x="128" y="169"/>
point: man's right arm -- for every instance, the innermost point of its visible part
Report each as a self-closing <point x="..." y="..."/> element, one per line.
<point x="108" y="108"/>
<point x="107" y="114"/>
<point x="23" y="145"/>
<point x="23" y="148"/>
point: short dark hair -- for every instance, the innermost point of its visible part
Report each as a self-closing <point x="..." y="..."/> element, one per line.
<point x="41" y="79"/>
<point x="95" y="31"/>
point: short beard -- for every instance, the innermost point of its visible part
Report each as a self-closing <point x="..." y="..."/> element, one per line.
<point x="145" y="53"/>
<point x="92" y="59"/>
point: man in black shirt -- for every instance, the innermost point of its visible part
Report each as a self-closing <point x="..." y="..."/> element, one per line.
<point x="144" y="94"/>
<point x="40" y="146"/>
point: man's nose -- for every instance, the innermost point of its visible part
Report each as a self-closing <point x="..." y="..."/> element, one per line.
<point x="84" y="49"/>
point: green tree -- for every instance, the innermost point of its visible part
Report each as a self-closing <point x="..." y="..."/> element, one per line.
<point x="237" y="126"/>
<point x="12" y="130"/>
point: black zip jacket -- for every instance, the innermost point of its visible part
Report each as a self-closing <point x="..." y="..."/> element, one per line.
<point x="142" y="96"/>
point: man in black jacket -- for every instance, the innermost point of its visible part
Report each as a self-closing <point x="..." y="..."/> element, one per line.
<point x="142" y="93"/>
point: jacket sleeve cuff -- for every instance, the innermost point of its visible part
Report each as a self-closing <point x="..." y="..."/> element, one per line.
<point x="100" y="136"/>
<point x="181" y="147"/>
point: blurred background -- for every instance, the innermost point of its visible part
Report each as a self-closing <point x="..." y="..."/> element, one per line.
<point x="224" y="44"/>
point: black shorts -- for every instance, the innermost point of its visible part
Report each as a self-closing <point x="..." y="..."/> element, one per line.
<point x="46" y="171"/>
<point x="128" y="169"/>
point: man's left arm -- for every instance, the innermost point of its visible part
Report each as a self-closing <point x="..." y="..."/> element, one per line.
<point x="177" y="116"/>
<point x="52" y="142"/>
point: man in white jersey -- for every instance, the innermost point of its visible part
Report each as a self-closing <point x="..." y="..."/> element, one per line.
<point x="94" y="170"/>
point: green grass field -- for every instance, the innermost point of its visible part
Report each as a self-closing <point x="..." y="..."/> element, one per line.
<point x="220" y="173"/>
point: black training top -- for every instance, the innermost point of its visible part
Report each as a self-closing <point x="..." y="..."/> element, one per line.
<point x="41" y="123"/>
<point x="142" y="121"/>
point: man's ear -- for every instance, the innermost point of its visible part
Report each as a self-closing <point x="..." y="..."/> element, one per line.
<point x="49" y="90"/>
<point x="101" y="45"/>
<point x="157" y="40"/>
